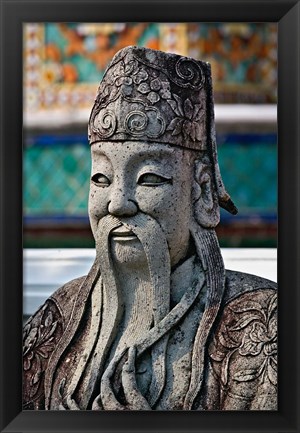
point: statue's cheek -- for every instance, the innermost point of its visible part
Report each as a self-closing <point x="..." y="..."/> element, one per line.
<point x="156" y="200"/>
<point x="98" y="202"/>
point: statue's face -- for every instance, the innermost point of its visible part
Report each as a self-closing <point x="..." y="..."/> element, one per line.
<point x="132" y="177"/>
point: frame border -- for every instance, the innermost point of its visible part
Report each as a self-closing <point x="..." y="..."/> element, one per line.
<point x="15" y="12"/>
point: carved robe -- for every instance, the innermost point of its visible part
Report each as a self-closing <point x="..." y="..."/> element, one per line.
<point x="239" y="368"/>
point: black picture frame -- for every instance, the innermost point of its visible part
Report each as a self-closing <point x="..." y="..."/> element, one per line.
<point x="16" y="12"/>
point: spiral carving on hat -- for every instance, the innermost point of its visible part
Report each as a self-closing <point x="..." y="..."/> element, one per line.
<point x="190" y="73"/>
<point x="137" y="123"/>
<point x="105" y="123"/>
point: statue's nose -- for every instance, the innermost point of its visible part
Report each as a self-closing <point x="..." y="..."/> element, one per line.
<point x="122" y="204"/>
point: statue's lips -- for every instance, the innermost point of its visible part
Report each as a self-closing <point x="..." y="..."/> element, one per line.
<point x="122" y="233"/>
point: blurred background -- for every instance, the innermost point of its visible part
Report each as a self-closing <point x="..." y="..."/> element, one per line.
<point x="63" y="64"/>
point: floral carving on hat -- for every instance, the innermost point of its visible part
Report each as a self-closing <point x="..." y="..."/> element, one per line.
<point x="122" y="77"/>
<point x="188" y="120"/>
<point x="155" y="89"/>
<point x="125" y="74"/>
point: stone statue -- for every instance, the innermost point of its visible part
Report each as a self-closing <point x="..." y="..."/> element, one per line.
<point x="157" y="324"/>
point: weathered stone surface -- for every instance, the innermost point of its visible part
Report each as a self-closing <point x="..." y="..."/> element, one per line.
<point x="157" y="324"/>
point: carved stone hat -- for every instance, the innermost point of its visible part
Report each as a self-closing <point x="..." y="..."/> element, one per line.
<point x="152" y="96"/>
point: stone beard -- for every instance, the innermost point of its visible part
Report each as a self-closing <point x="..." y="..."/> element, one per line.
<point x="135" y="277"/>
<point x="157" y="324"/>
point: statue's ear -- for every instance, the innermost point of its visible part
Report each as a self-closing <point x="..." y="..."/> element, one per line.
<point x="205" y="200"/>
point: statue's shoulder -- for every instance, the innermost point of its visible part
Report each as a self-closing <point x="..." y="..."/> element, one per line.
<point x="243" y="350"/>
<point x="240" y="283"/>
<point x="41" y="334"/>
<point x="65" y="296"/>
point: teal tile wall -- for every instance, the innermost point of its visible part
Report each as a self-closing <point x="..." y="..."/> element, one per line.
<point x="56" y="180"/>
<point x="250" y="175"/>
<point x="57" y="171"/>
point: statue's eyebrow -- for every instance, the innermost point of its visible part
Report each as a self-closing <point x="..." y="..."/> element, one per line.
<point x="99" y="153"/>
<point x="154" y="155"/>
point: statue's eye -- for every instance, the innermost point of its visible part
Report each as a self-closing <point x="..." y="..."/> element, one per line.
<point x="100" y="180"/>
<point x="152" y="179"/>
